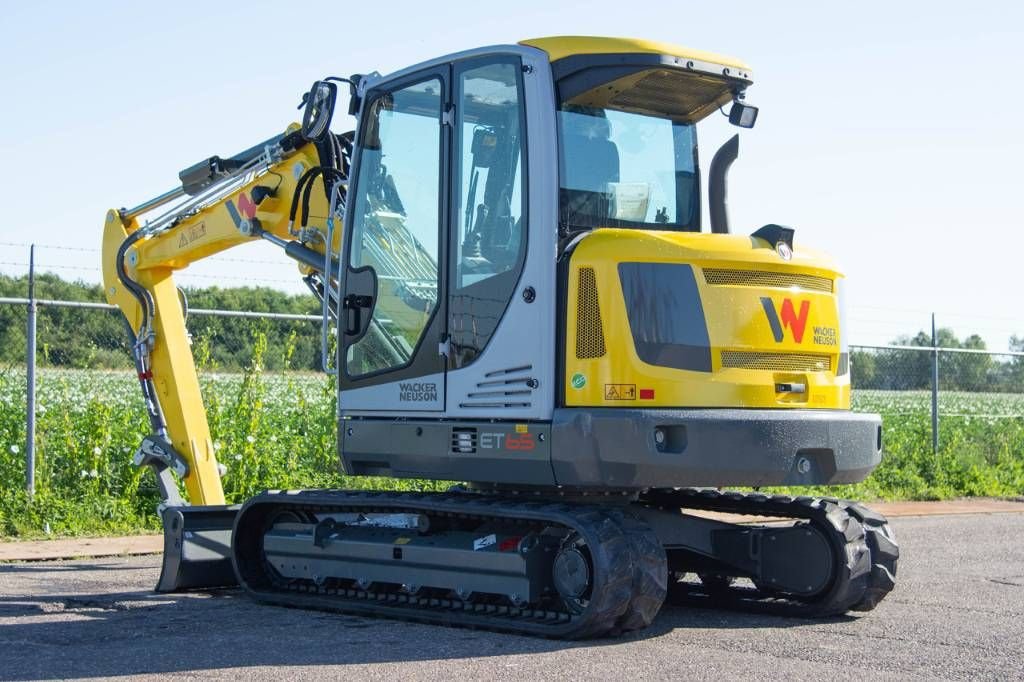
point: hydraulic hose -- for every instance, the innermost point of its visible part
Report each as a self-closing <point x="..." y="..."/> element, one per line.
<point x="153" y="409"/>
<point x="330" y="175"/>
<point x="145" y="299"/>
<point x="306" y="177"/>
<point x="335" y="153"/>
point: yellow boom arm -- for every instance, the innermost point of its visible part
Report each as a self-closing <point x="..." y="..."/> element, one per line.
<point x="240" y="208"/>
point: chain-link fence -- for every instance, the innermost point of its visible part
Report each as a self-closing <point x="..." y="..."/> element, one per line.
<point x="81" y="362"/>
<point x="88" y="335"/>
<point x="953" y="396"/>
<point x="82" y="348"/>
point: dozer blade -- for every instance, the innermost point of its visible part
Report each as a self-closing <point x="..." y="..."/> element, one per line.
<point x="197" y="548"/>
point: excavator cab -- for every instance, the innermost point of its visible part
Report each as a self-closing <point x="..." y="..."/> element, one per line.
<point x="524" y="246"/>
<point x="510" y="250"/>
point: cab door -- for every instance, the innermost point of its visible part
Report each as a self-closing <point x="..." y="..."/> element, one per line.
<point x="394" y="300"/>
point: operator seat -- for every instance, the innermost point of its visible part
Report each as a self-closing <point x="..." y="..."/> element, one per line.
<point x="590" y="164"/>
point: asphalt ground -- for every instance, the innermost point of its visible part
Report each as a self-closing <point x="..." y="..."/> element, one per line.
<point x="957" y="613"/>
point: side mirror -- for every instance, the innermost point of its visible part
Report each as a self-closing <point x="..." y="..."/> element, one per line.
<point x="316" y="119"/>
<point x="742" y="115"/>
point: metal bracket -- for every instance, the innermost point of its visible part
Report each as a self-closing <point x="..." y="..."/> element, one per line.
<point x="155" y="450"/>
<point x="161" y="455"/>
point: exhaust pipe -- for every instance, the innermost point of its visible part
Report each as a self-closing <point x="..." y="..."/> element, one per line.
<point x="718" y="195"/>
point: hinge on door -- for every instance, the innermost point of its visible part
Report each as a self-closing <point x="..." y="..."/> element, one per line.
<point x="448" y="117"/>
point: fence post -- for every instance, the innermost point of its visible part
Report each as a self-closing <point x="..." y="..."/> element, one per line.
<point x="30" y="371"/>
<point x="935" y="389"/>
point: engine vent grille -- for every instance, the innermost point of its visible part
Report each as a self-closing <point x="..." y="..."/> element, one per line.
<point x="763" y="278"/>
<point x="589" y="331"/>
<point x="503" y="388"/>
<point x="463" y="440"/>
<point x="780" y="362"/>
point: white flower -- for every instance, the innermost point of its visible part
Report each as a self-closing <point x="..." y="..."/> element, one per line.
<point x="250" y="439"/>
<point x="216" y="446"/>
<point x="94" y="474"/>
<point x="15" y="449"/>
<point x="84" y="473"/>
<point x="238" y="457"/>
<point x="97" y="451"/>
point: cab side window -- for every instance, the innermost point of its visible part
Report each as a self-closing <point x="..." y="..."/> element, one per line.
<point x="489" y="244"/>
<point x="396" y="223"/>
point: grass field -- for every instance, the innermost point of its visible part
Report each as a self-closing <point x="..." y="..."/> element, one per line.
<point x="277" y="431"/>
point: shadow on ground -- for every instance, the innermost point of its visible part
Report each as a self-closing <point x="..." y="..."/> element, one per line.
<point x="137" y="632"/>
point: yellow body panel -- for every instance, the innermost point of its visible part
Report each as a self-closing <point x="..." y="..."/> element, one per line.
<point x="152" y="262"/>
<point x="736" y="321"/>
<point x="177" y="388"/>
<point x="559" y="47"/>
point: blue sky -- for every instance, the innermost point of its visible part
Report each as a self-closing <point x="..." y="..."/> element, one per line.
<point x="889" y="133"/>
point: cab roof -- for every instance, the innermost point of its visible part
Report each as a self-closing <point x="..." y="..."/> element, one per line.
<point x="560" y="47"/>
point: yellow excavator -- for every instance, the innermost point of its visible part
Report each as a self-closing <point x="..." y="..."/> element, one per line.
<point x="518" y="293"/>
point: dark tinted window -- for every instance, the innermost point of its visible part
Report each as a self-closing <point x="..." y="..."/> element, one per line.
<point x="666" y="317"/>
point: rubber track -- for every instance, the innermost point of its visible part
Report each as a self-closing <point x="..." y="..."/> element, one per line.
<point x="861" y="540"/>
<point x="650" y="573"/>
<point x="885" y="554"/>
<point x="610" y="549"/>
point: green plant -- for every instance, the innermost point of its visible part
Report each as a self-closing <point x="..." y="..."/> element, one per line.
<point x="277" y="429"/>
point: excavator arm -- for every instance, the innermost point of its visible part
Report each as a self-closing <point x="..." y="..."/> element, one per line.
<point x="285" y="190"/>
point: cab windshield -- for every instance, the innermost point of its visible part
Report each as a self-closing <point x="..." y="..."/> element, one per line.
<point x="625" y="169"/>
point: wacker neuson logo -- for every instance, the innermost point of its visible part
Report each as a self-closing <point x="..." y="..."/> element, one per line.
<point x="786" y="318"/>
<point x="417" y="392"/>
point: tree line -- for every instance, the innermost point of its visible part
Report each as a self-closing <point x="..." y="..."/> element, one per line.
<point x="83" y="338"/>
<point x="897" y="369"/>
<point x="90" y="338"/>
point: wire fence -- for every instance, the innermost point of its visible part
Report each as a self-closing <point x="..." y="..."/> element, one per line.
<point x="57" y="355"/>
<point x="89" y="335"/>
<point x="48" y="345"/>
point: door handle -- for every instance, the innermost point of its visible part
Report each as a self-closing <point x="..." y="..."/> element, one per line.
<point x="354" y="304"/>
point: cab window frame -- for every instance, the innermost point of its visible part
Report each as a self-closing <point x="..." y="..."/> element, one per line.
<point x="503" y="285"/>
<point x="421" y="362"/>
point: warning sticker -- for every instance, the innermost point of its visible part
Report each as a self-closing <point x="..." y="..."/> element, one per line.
<point x="485" y="541"/>
<point x="620" y="391"/>
<point x="191" y="234"/>
<point x="522" y="428"/>
<point x="402" y="541"/>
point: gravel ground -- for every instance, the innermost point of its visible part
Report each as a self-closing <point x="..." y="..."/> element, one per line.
<point x="957" y="613"/>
